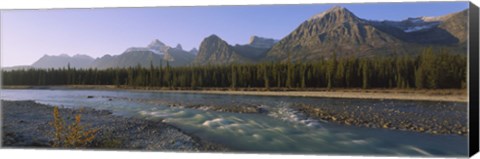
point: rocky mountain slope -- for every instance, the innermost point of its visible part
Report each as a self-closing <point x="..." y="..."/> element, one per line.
<point x="214" y="50"/>
<point x="339" y="31"/>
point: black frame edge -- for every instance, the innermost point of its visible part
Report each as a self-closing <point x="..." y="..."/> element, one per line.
<point x="473" y="79"/>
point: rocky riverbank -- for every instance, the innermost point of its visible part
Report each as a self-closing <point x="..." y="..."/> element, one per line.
<point x="437" y="119"/>
<point x="26" y="124"/>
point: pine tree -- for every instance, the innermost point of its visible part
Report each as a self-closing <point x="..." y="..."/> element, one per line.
<point x="193" y="83"/>
<point x="265" y="77"/>
<point x="332" y="66"/>
<point x="365" y="73"/>
<point x="234" y="76"/>
<point x="290" y="72"/>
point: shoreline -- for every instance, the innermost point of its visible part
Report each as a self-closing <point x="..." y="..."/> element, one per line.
<point x="26" y="124"/>
<point x="335" y="94"/>
<point x="441" y="95"/>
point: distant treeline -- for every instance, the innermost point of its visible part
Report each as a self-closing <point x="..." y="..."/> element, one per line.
<point x="427" y="70"/>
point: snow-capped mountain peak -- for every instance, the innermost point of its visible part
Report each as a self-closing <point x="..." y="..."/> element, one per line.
<point x="261" y="42"/>
<point x="157" y="45"/>
<point x="141" y="49"/>
<point x="421" y="23"/>
<point x="418" y="28"/>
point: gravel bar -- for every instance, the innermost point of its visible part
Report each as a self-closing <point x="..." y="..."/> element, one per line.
<point x="27" y="124"/>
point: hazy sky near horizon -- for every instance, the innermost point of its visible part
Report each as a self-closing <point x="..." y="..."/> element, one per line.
<point x="27" y="35"/>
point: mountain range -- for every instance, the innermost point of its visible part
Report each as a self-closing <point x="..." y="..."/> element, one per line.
<point x="339" y="31"/>
<point x="63" y="60"/>
<point x="155" y="53"/>
<point x="214" y="50"/>
<point x="336" y="30"/>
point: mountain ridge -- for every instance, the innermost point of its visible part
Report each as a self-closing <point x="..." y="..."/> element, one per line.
<point x="336" y="30"/>
<point x="339" y="30"/>
<point x="156" y="53"/>
<point x="214" y="50"/>
<point x="63" y="61"/>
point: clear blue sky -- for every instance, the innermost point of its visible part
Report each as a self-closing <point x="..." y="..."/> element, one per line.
<point x="27" y="35"/>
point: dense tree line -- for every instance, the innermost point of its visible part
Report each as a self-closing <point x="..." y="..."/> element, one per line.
<point x="428" y="70"/>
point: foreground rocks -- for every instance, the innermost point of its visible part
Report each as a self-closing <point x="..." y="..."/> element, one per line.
<point x="26" y="124"/>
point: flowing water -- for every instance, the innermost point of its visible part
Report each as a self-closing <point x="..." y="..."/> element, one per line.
<point x="281" y="130"/>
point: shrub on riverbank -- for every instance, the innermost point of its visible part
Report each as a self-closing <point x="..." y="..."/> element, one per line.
<point x="72" y="135"/>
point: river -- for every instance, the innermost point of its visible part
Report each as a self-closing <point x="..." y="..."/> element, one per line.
<point x="282" y="130"/>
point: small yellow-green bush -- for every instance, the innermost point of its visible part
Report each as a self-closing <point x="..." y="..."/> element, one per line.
<point x="72" y="135"/>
